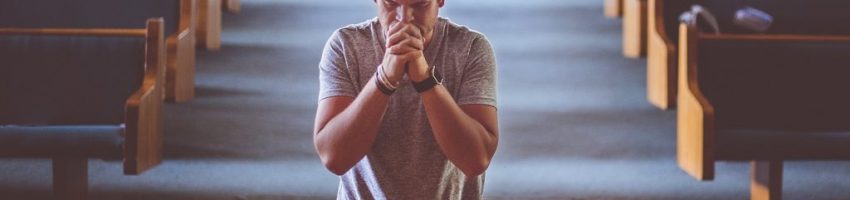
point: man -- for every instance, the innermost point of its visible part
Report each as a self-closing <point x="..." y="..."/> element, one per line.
<point x="407" y="105"/>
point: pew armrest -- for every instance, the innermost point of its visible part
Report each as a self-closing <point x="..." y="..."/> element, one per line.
<point x="634" y="28"/>
<point x="656" y="22"/>
<point x="695" y="114"/>
<point x="180" y="79"/>
<point x="661" y="59"/>
<point x="188" y="18"/>
<point x="143" y="132"/>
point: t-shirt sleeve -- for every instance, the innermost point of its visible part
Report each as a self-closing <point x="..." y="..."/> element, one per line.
<point x="479" y="77"/>
<point x="334" y="76"/>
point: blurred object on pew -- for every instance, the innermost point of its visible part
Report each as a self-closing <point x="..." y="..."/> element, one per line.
<point x="753" y="19"/>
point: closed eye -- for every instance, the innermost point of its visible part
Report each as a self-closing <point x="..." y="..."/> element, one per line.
<point x="390" y="3"/>
<point x="423" y="4"/>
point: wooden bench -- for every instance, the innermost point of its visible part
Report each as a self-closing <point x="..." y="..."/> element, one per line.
<point x="806" y="17"/>
<point x="179" y="18"/>
<point x="761" y="98"/>
<point x="634" y="28"/>
<point x="613" y="8"/>
<point x="209" y="24"/>
<point x="74" y="94"/>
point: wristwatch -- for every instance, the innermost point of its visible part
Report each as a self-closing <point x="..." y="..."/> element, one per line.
<point x="430" y="82"/>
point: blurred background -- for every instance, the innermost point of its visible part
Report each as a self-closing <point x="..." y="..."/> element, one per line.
<point x="575" y="122"/>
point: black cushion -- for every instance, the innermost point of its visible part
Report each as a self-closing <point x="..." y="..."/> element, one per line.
<point x="750" y="144"/>
<point x="48" y="141"/>
<point x="776" y="84"/>
<point x="68" y="80"/>
<point x="88" y="13"/>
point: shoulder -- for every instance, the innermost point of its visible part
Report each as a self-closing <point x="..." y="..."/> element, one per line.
<point x="457" y="33"/>
<point x="463" y="37"/>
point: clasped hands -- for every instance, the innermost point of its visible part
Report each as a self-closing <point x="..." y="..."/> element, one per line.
<point x="405" y="53"/>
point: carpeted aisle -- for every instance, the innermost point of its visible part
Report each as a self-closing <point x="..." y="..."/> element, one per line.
<point x="574" y="120"/>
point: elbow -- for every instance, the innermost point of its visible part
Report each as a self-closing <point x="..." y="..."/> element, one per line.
<point x="477" y="165"/>
<point x="334" y="165"/>
<point x="475" y="168"/>
<point x="330" y="160"/>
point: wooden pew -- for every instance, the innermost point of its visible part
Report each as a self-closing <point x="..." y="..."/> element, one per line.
<point x="761" y="98"/>
<point x="613" y="8"/>
<point x="74" y="94"/>
<point x="233" y="6"/>
<point x="209" y="24"/>
<point x="634" y="28"/>
<point x="179" y="28"/>
<point x="661" y="50"/>
<point x="807" y="17"/>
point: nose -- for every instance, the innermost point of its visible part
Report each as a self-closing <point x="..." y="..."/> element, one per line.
<point x="404" y="13"/>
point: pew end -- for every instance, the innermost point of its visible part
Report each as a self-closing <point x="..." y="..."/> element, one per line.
<point x="613" y="8"/>
<point x="761" y="98"/>
<point x="209" y="24"/>
<point x="180" y="75"/>
<point x="634" y="28"/>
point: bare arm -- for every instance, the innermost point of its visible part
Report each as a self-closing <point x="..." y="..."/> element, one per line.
<point x="346" y="127"/>
<point x="467" y="134"/>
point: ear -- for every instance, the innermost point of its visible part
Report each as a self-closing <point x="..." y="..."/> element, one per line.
<point x="441" y="3"/>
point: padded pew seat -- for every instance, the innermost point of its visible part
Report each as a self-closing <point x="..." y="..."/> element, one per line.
<point x="104" y="141"/>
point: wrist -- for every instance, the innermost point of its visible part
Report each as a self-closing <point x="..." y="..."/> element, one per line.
<point x="434" y="78"/>
<point x="383" y="84"/>
<point x="420" y="72"/>
<point x="418" y="77"/>
<point x="391" y="79"/>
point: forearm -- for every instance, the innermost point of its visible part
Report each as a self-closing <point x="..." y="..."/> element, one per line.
<point x="347" y="137"/>
<point x="466" y="142"/>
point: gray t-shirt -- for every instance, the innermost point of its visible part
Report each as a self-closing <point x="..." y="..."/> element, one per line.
<point x="405" y="161"/>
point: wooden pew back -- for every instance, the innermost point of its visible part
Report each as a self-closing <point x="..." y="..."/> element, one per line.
<point x="776" y="82"/>
<point x="89" y="13"/>
<point x="51" y="80"/>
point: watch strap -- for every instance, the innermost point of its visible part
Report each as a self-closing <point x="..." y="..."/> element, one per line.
<point x="435" y="79"/>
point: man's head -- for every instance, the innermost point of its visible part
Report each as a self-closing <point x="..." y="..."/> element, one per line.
<point x="422" y="13"/>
